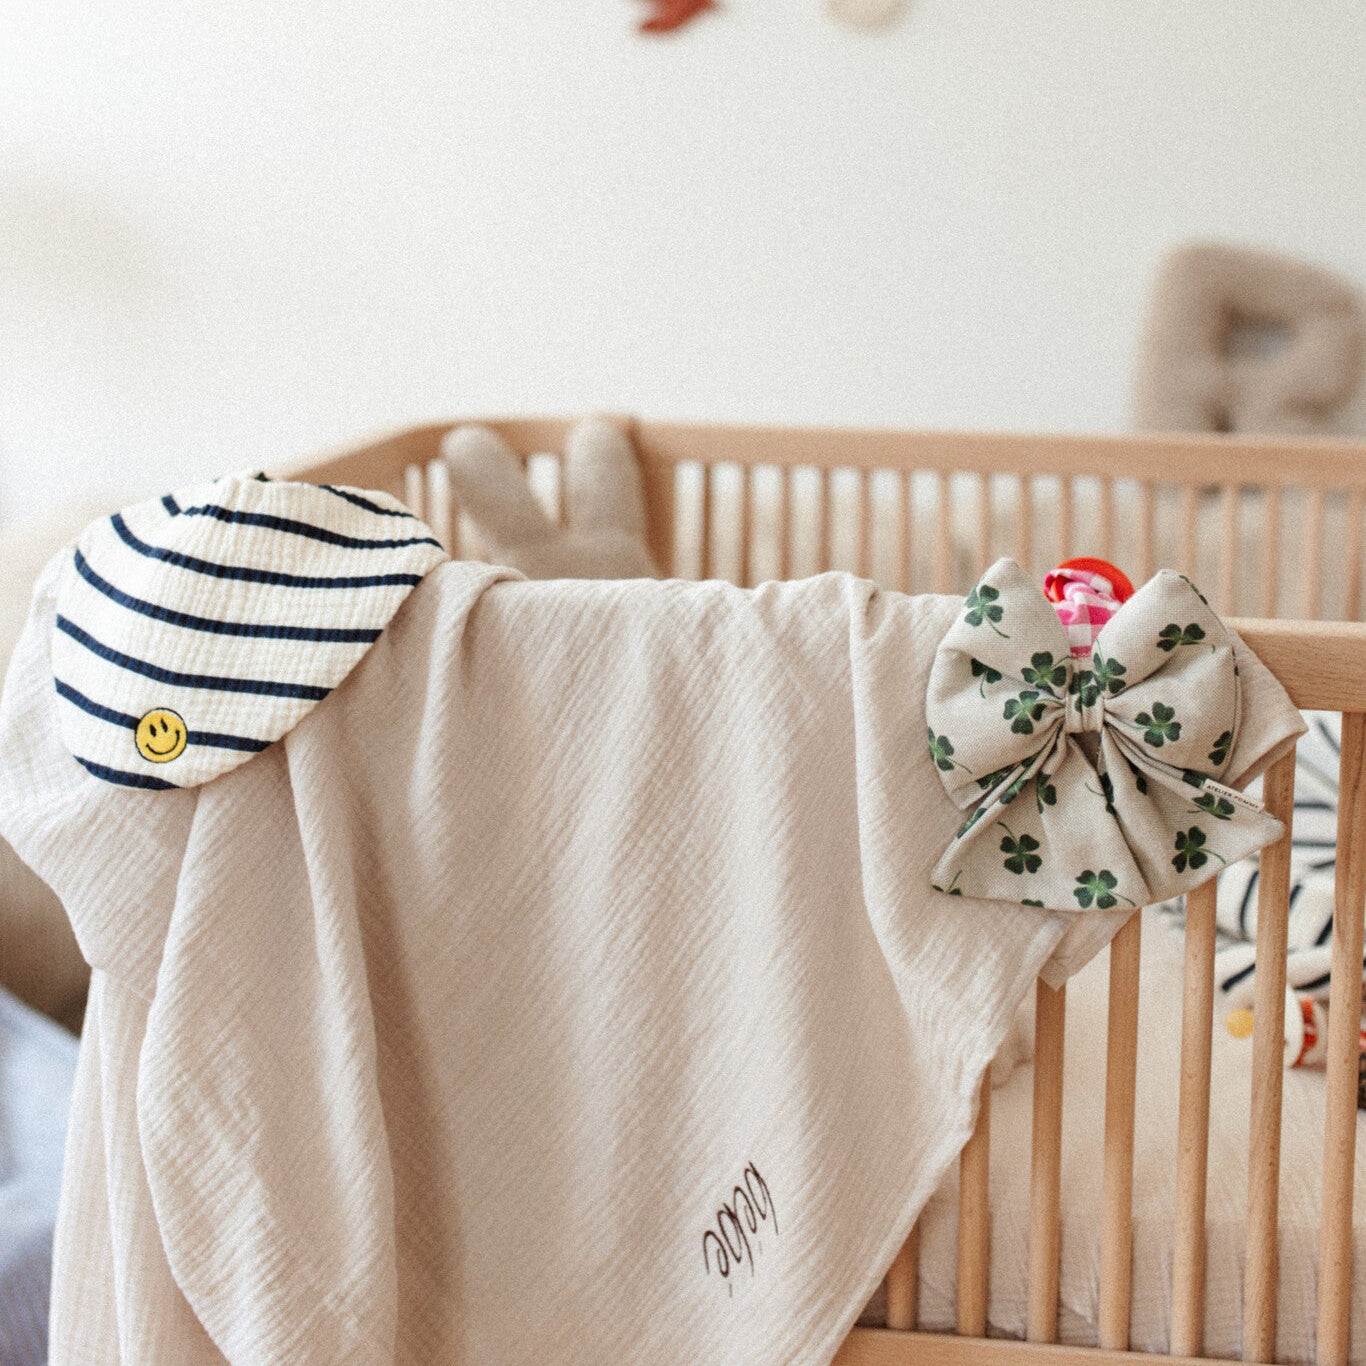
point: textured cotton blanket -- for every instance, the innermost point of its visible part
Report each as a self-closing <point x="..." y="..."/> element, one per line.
<point x="566" y="987"/>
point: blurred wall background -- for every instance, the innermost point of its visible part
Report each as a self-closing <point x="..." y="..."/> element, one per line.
<point x="239" y="232"/>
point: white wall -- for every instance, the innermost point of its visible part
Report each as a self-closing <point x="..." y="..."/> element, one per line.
<point x="232" y="230"/>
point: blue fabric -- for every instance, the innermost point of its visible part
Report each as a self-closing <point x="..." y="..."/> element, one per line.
<point x="37" y="1072"/>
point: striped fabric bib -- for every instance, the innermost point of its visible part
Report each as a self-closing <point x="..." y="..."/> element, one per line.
<point x="194" y="630"/>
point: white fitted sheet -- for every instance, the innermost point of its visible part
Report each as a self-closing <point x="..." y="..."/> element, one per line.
<point x="1154" y="1182"/>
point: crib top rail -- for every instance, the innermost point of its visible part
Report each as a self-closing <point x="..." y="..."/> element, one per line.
<point x="1321" y="664"/>
<point x="1178" y="458"/>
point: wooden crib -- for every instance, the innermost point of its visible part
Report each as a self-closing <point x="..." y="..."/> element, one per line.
<point x="1272" y="529"/>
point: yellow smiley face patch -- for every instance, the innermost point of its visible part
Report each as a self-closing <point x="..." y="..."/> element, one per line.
<point x="161" y="736"/>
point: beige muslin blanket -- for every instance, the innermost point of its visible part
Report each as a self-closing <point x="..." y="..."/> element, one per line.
<point x="567" y="987"/>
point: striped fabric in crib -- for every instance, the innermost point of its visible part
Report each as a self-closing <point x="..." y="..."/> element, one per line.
<point x="194" y="630"/>
<point x="1313" y="867"/>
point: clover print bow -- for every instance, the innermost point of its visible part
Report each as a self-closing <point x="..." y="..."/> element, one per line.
<point x="1123" y="752"/>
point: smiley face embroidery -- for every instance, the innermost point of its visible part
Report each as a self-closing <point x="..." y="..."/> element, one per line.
<point x="161" y="736"/>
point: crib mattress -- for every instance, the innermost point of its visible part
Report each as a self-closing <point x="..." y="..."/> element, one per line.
<point x="1154" y="1182"/>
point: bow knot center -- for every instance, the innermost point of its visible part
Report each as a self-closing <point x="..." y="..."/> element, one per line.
<point x="1086" y="714"/>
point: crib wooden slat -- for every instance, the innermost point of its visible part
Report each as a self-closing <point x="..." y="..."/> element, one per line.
<point x="1147" y="531"/>
<point x="943" y="539"/>
<point x="1065" y="519"/>
<point x="413" y="490"/>
<point x="1268" y="1069"/>
<point x="974" y="1221"/>
<point x="746" y="525"/>
<point x="1227" y="588"/>
<point x="1189" y="509"/>
<point x="1024" y="525"/>
<point x="558" y="502"/>
<point x="1351" y="598"/>
<point x="904" y="548"/>
<point x="1045" y="1182"/>
<point x="984" y="529"/>
<point x="1271" y="550"/>
<point x="1313" y="554"/>
<point x="1105" y="530"/>
<point x="704" y="542"/>
<point x="903" y="1283"/>
<point x="1117" y="1202"/>
<point x="785" y="522"/>
<point x="863" y="559"/>
<point x="436" y="499"/>
<point x="1344" y="1016"/>
<point x="1197" y="1019"/>
<point x="823" y="532"/>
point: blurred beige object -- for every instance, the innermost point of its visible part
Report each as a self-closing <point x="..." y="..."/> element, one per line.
<point x="864" y="13"/>
<point x="604" y="505"/>
<point x="39" y="959"/>
<point x="1239" y="340"/>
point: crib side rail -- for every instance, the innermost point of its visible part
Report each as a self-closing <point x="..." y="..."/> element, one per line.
<point x="1321" y="665"/>
<point x="1274" y="527"/>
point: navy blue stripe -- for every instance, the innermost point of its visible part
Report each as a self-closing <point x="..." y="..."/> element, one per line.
<point x="79" y="699"/>
<point x="337" y="634"/>
<point x="1314" y="806"/>
<point x="117" y="775"/>
<point x="1325" y="932"/>
<point x="210" y="738"/>
<point x="214" y="740"/>
<point x="1315" y="984"/>
<point x="365" y="502"/>
<point x="1237" y="977"/>
<point x="271" y="522"/>
<point x="306" y="691"/>
<point x="237" y="571"/>
<point x="1247" y="899"/>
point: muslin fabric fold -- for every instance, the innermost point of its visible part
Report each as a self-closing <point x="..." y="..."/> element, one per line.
<point x="562" y="988"/>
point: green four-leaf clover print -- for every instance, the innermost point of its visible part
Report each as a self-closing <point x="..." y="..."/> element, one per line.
<point x="981" y="606"/>
<point x="1192" y="850"/>
<point x="1107" y="790"/>
<point x="1172" y="635"/>
<point x="941" y="751"/>
<point x="1100" y="888"/>
<point x="1023" y="711"/>
<point x="1193" y="589"/>
<point x="1104" y="676"/>
<point x="1045" y="794"/>
<point x="986" y="673"/>
<point x="990" y="780"/>
<point x="1218" y="756"/>
<point x="1044" y="672"/>
<point x="1021" y="857"/>
<point x="1218" y="807"/>
<point x="1160" y="726"/>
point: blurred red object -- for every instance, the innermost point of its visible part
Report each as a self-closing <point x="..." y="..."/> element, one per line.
<point x="672" y="14"/>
